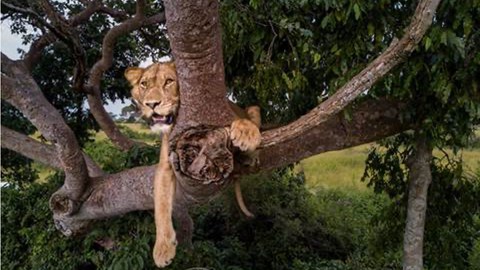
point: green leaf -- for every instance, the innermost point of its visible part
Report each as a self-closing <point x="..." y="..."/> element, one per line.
<point x="443" y="38"/>
<point x="325" y="21"/>
<point x="428" y="43"/>
<point x="356" y="10"/>
<point x="316" y="57"/>
<point x="287" y="81"/>
<point x="370" y="29"/>
<point x="334" y="48"/>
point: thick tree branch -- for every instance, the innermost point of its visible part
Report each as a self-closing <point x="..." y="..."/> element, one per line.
<point x="41" y="152"/>
<point x="131" y="190"/>
<point x="31" y="148"/>
<point x="419" y="177"/>
<point x="108" y="43"/>
<point x="109" y="196"/>
<point x="83" y="16"/>
<point x="118" y="14"/>
<point x="26" y="96"/>
<point x="393" y="55"/>
<point x="371" y="121"/>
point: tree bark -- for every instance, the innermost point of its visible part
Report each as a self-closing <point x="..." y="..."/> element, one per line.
<point x="205" y="160"/>
<point x="420" y="177"/>
<point x="23" y="93"/>
<point x="131" y="190"/>
<point x="41" y="152"/>
<point x="196" y="42"/>
<point x="370" y="121"/>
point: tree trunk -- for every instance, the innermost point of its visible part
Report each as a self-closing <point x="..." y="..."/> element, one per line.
<point x="420" y="177"/>
<point x="196" y="41"/>
<point x="199" y="145"/>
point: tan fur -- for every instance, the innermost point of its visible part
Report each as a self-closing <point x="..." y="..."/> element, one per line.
<point x="163" y="194"/>
<point x="155" y="91"/>
<point x="155" y="84"/>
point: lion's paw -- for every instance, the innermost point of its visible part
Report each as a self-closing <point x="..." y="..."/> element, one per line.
<point x="245" y="135"/>
<point x="164" y="250"/>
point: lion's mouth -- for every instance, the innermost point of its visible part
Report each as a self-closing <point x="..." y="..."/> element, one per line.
<point x="162" y="119"/>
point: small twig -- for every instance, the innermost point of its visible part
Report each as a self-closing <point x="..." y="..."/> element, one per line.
<point x="270" y="47"/>
<point x="29" y="11"/>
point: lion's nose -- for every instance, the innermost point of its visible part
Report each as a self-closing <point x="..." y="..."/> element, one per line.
<point x="152" y="105"/>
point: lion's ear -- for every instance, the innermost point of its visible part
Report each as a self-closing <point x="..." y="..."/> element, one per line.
<point x="133" y="74"/>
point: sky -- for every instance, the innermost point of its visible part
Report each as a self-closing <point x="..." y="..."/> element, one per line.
<point x="9" y="45"/>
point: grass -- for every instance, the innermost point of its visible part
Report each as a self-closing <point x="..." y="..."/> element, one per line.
<point x="337" y="169"/>
<point x="136" y="131"/>
<point x="471" y="159"/>
<point x="343" y="169"/>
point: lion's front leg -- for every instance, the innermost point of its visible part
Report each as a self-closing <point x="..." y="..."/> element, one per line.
<point x="164" y="191"/>
<point x="245" y="133"/>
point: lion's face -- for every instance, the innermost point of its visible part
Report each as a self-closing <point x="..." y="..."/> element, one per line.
<point x="155" y="91"/>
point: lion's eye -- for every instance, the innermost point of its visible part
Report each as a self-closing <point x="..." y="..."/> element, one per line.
<point x="143" y="84"/>
<point x="168" y="81"/>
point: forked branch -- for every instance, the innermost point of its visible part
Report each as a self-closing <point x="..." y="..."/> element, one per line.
<point x="109" y="195"/>
<point x="195" y="39"/>
<point x="393" y="55"/>
<point x="23" y="93"/>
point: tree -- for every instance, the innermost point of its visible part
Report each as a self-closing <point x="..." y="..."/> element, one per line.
<point x="339" y="121"/>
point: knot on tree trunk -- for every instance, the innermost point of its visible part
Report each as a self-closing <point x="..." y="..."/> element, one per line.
<point x="202" y="155"/>
<point x="62" y="204"/>
<point x="63" y="207"/>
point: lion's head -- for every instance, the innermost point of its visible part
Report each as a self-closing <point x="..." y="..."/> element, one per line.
<point x="155" y="92"/>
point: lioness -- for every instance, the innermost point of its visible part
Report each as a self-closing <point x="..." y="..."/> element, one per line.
<point x="155" y="91"/>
